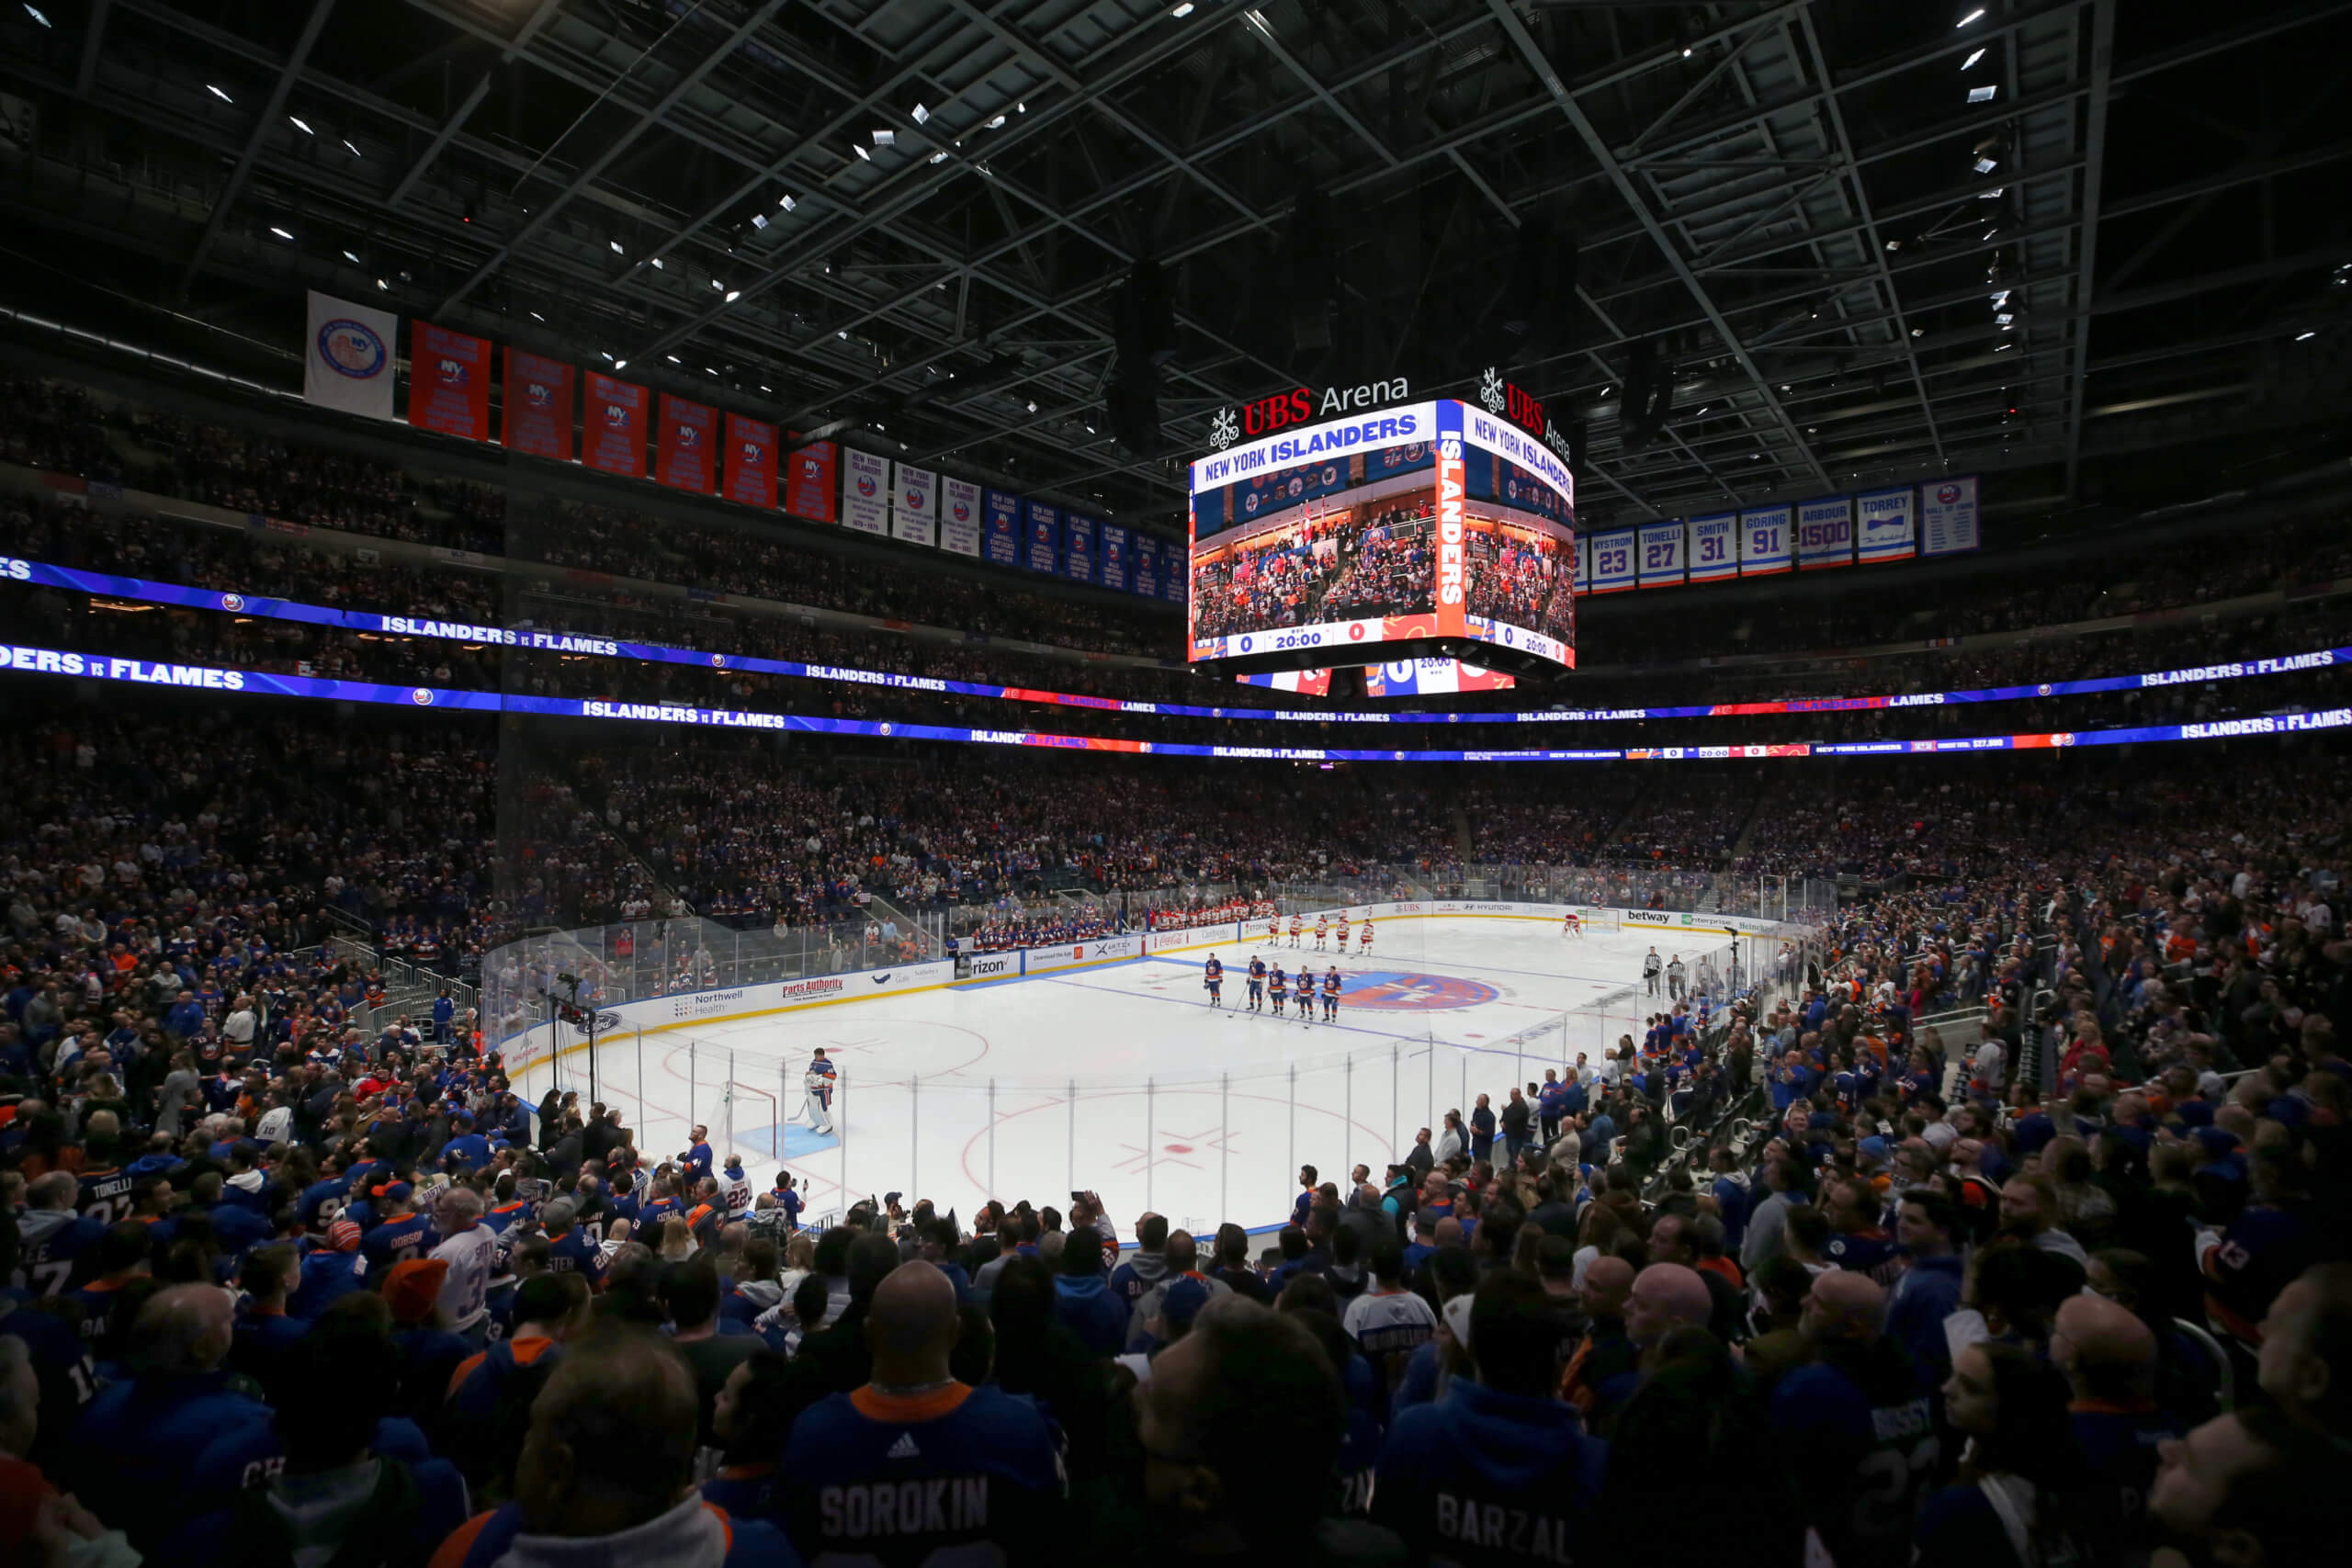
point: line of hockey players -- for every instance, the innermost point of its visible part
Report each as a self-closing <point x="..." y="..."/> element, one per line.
<point x="1267" y="982"/>
<point x="1326" y="929"/>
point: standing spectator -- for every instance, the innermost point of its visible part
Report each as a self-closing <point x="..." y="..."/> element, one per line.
<point x="985" y="1459"/>
<point x="2024" y="1496"/>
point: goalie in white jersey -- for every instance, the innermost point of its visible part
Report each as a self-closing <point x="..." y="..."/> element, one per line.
<point x="817" y="1108"/>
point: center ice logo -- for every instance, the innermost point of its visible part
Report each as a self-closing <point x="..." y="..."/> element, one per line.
<point x="1389" y="990"/>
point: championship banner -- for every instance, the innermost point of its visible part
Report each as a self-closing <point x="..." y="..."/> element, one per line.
<point x="1826" y="533"/>
<point x="1174" y="587"/>
<point x="1661" y="546"/>
<point x="1714" y="547"/>
<point x="1948" y="517"/>
<point x="959" y="517"/>
<point x="682" y="451"/>
<point x="1612" y="561"/>
<point x="1111" y="560"/>
<point x="1041" y="539"/>
<point x="448" y="381"/>
<point x="537" y="415"/>
<point x="1764" y="541"/>
<point x="614" y="442"/>
<point x="809" y="481"/>
<point x="1000" y="528"/>
<point x="1453" y="546"/>
<point x="1144" y="574"/>
<point x="866" y="492"/>
<point x="347" y="356"/>
<point x="1887" y="523"/>
<point x="1078" y="548"/>
<point x="915" y="505"/>
<point x="750" y="466"/>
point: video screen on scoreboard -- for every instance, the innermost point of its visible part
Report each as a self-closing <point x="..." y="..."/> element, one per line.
<point x="1409" y="533"/>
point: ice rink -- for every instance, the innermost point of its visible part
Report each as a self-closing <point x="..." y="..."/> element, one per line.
<point x="1122" y="1080"/>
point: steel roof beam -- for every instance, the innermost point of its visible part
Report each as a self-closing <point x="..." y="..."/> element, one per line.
<point x="264" y="125"/>
<point x="2086" y="231"/>
<point x="540" y="17"/>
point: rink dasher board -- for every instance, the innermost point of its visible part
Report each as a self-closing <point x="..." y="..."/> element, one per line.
<point x="656" y="1015"/>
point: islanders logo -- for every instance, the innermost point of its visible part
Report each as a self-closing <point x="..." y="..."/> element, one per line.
<point x="689" y="436"/>
<point x="1391" y="990"/>
<point x="810" y="467"/>
<point x="915" y="499"/>
<point x="535" y="393"/>
<point x="352" y="348"/>
<point x="422" y="696"/>
<point x="750" y="452"/>
<point x="866" y="485"/>
<point x="232" y="602"/>
<point x="452" y="373"/>
<point x="617" y="415"/>
<point x="1250" y="504"/>
<point x="1948" y="494"/>
<point x="962" y="511"/>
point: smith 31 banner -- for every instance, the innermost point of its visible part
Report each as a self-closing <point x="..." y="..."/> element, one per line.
<point x="959" y="517"/>
<point x="689" y="433"/>
<point x="751" y="462"/>
<point x="614" y="441"/>
<point x="44" y="574"/>
<point x="538" y="406"/>
<point x="448" y="381"/>
<point x="809" y="481"/>
<point x="1714" y="547"/>
<point x="34" y="661"/>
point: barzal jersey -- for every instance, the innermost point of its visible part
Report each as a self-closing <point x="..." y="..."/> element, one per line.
<point x="954" y="1474"/>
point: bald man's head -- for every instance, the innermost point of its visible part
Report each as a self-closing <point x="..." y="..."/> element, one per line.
<point x="185" y="1328"/>
<point x="1840" y="1305"/>
<point x="2104" y="1349"/>
<point x="612" y="1437"/>
<point x="1607" y="1282"/>
<point x="912" y="1325"/>
<point x="1665" y="1295"/>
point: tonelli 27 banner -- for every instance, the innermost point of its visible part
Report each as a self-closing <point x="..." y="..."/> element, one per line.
<point x="689" y="432"/>
<point x="448" y="381"/>
<point x="538" y="406"/>
<point x="614" y="441"/>
<point x="751" y="462"/>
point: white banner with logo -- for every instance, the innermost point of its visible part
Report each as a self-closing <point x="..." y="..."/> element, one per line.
<point x="866" y="492"/>
<point x="959" y="517"/>
<point x="347" y="361"/>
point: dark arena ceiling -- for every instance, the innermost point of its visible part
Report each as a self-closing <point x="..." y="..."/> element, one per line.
<point x="2088" y="247"/>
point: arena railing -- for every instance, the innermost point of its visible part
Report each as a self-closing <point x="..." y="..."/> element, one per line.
<point x="917" y="1115"/>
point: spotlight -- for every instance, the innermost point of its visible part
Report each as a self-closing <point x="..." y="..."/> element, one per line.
<point x="1972" y="60"/>
<point x="298" y="124"/>
<point x="218" y="93"/>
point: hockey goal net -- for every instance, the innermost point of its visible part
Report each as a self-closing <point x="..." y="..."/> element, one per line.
<point x="1601" y="920"/>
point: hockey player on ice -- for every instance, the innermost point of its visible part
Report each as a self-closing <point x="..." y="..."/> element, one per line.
<point x="817" y="1108"/>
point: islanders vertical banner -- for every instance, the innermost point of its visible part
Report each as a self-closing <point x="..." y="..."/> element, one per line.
<point x="538" y="406"/>
<point x="959" y="517"/>
<point x="1078" y="548"/>
<point x="1111" y="560"/>
<point x="1453" y="484"/>
<point x="614" y="442"/>
<point x="751" y="462"/>
<point x="915" y="505"/>
<point x="448" y="381"/>
<point x="1042" y="538"/>
<point x="809" y="481"/>
<point x="1000" y="528"/>
<point x="683" y="451"/>
<point x="1144" y="574"/>
<point x="866" y="492"/>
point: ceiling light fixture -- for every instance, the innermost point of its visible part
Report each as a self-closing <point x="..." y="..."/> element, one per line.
<point x="34" y="13"/>
<point x="673" y="359"/>
<point x="1181" y="12"/>
<point x="300" y="126"/>
<point x="787" y="202"/>
<point x="1972" y="60"/>
<point x="536" y="317"/>
<point x="218" y="93"/>
<point x="939" y="157"/>
<point x="380" y="284"/>
<point x="279" y="233"/>
<point x="658" y="266"/>
<point x="860" y="150"/>
<point x="1986" y="165"/>
<point x="355" y="152"/>
<point x="716" y="284"/>
<point x="616" y="249"/>
<point x="1975" y="16"/>
<point x="759" y="219"/>
<point x="351" y="258"/>
<point x="2306" y="337"/>
<point x="885" y="138"/>
<point x="1033" y="408"/>
<point x="997" y="123"/>
<point x="733" y="295"/>
<point x="620" y="364"/>
<point x="921" y="115"/>
<point x="1982" y="94"/>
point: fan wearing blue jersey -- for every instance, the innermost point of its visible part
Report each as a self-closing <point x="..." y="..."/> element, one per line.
<point x="914" y="1466"/>
<point x="1858" y="1415"/>
<point x="1498" y="1471"/>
